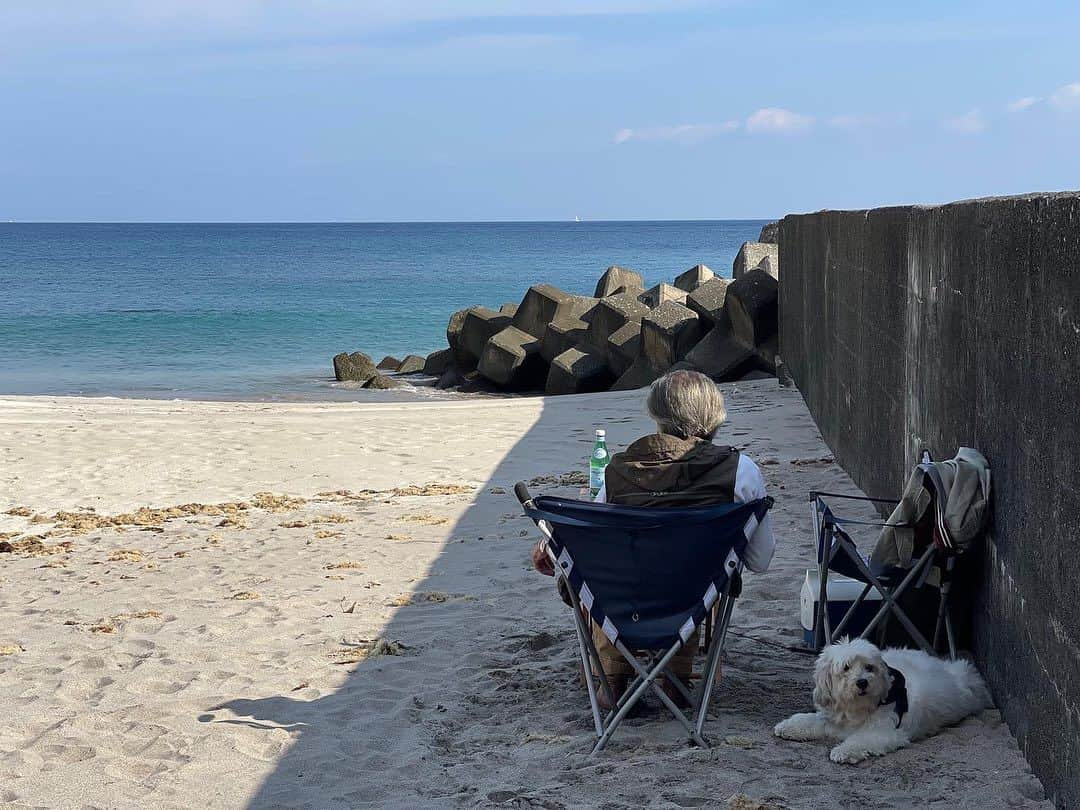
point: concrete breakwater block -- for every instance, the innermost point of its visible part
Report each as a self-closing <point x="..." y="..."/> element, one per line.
<point x="412" y="364"/>
<point x="694" y="278"/>
<point x="382" y="382"/>
<point x="668" y="333"/>
<point x="611" y="314"/>
<point x="638" y="375"/>
<point x="751" y="306"/>
<point x="563" y="333"/>
<point x="767" y="354"/>
<point x="623" y="347"/>
<point x="769" y="267"/>
<point x="708" y="301"/>
<point x="578" y="371"/>
<point x="355" y="367"/>
<point x="512" y="360"/>
<point x="450" y="378"/>
<point x="661" y="294"/>
<point x="438" y="362"/>
<point x="618" y="279"/>
<point x="624" y="337"/>
<point x="388" y="363"/>
<point x="480" y="325"/>
<point x="462" y="359"/>
<point x="543" y="303"/>
<point x="750" y="256"/>
<point x="721" y="356"/>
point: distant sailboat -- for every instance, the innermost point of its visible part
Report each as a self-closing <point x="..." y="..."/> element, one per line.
<point x="577" y="219"/>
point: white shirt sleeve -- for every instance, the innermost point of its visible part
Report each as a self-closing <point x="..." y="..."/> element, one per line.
<point x="749" y="486"/>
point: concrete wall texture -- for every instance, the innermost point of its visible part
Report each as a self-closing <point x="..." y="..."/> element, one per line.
<point x="951" y="325"/>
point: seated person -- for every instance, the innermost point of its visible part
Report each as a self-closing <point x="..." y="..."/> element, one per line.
<point x="678" y="466"/>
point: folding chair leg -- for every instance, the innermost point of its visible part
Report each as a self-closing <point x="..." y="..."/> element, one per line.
<point x="701" y="709"/>
<point x="590" y="658"/>
<point x="851" y="611"/>
<point x="822" y="631"/>
<point x="674" y="680"/>
<point x="677" y="683"/>
<point x="949" y="635"/>
<point x="726" y="620"/>
<point x="889" y="605"/>
<point x="941" y="614"/>
<point x="647" y="678"/>
<point x="675" y="710"/>
<point x="594" y="654"/>
<point x="944" y="617"/>
<point x="587" y="666"/>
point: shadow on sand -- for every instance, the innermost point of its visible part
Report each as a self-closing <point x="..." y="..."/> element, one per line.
<point x="482" y="672"/>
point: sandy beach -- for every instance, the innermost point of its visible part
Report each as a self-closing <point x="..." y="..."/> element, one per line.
<point x="330" y="605"/>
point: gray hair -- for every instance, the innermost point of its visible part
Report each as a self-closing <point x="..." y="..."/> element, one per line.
<point x="686" y="404"/>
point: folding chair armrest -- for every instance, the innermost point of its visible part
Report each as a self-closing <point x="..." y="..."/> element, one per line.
<point x="815" y="494"/>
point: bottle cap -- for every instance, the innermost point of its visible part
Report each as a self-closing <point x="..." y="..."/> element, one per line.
<point x="600" y="433"/>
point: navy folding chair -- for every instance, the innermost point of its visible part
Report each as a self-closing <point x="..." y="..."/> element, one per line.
<point x="648" y="577"/>
<point x="837" y="552"/>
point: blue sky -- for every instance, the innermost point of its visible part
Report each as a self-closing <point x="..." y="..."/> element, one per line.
<point x="324" y="110"/>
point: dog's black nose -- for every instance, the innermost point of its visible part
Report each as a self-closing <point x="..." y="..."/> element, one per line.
<point x="862" y="683"/>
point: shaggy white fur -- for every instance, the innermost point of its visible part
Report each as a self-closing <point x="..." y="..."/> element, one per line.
<point x="851" y="681"/>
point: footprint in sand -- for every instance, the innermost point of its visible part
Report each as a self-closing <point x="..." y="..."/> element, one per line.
<point x="68" y="752"/>
<point x="151" y="687"/>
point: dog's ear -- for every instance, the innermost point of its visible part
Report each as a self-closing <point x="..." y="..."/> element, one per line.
<point x="823" y="678"/>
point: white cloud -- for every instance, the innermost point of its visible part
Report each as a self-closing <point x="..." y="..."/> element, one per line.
<point x="776" y="119"/>
<point x="970" y="123"/>
<point x="1021" y="104"/>
<point x="1067" y="97"/>
<point x="682" y="133"/>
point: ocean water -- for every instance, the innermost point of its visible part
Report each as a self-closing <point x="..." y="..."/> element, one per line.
<point x="224" y="311"/>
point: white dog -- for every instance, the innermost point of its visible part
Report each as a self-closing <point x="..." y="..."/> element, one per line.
<point x="875" y="702"/>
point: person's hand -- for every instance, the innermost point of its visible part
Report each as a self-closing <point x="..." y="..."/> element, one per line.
<point x="540" y="560"/>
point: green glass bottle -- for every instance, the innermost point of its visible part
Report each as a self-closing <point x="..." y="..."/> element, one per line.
<point x="597" y="464"/>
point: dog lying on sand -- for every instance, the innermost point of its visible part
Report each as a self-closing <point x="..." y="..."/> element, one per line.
<point x="875" y="701"/>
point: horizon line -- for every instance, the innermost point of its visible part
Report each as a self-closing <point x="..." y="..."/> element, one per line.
<point x="368" y="222"/>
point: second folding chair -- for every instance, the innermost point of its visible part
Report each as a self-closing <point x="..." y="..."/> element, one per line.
<point x="838" y="553"/>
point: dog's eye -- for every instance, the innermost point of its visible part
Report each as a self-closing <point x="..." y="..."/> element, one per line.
<point x="871" y="668"/>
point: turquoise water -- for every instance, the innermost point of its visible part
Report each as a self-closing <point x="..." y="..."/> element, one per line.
<point x="257" y="311"/>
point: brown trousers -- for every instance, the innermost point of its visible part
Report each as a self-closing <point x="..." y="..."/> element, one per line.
<point x="682" y="665"/>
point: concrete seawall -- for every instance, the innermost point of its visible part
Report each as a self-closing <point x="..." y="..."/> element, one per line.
<point x="951" y="325"/>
